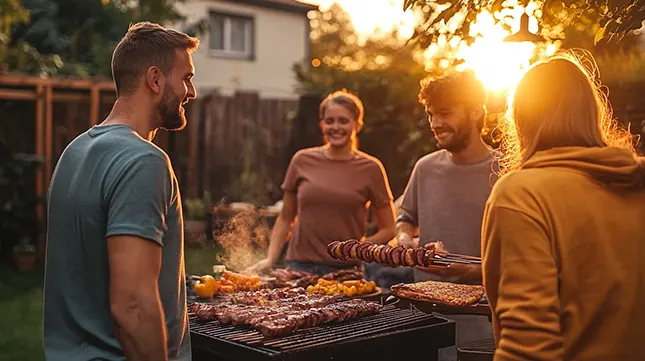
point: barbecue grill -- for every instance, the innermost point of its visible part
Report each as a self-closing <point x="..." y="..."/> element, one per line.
<point x="392" y="334"/>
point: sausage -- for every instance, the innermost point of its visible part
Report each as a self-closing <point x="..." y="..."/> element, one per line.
<point x="419" y="253"/>
<point x="382" y="254"/>
<point x="330" y="248"/>
<point x="376" y="253"/>
<point x="346" y="249"/>
<point x="408" y="257"/>
<point x="386" y="255"/>
<point x="364" y="251"/>
<point x="353" y="251"/>
<point x="395" y="256"/>
<point x="338" y="254"/>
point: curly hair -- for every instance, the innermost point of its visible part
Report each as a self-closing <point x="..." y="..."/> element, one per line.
<point x="462" y="88"/>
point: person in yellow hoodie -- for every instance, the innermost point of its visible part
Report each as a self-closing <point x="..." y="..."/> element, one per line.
<point x="563" y="235"/>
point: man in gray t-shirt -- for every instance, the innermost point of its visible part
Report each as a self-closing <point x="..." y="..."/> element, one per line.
<point x="114" y="275"/>
<point x="445" y="197"/>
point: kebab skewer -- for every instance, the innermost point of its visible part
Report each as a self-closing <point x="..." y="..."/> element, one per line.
<point x="392" y="256"/>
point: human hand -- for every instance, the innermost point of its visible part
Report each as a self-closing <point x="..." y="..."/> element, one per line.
<point x="437" y="247"/>
<point x="260" y="267"/>
<point x="407" y="241"/>
<point x="458" y="270"/>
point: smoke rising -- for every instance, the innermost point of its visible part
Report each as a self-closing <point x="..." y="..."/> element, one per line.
<point x="244" y="239"/>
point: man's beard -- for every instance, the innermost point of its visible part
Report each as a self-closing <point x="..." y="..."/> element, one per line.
<point x="458" y="142"/>
<point x="172" y="118"/>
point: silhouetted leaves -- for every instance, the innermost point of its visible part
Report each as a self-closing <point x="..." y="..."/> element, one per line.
<point x="607" y="19"/>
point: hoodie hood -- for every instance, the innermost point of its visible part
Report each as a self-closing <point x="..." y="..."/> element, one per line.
<point x="613" y="166"/>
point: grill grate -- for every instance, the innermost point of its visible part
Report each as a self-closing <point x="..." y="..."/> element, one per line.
<point x="390" y="320"/>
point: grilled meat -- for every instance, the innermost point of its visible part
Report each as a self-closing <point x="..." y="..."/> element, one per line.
<point x="383" y="254"/>
<point x="293" y="278"/>
<point x="338" y="312"/>
<point x="285" y="317"/>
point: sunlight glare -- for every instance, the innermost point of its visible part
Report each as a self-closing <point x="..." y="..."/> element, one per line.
<point x="498" y="64"/>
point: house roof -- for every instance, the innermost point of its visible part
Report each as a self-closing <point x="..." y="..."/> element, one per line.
<point x="283" y="5"/>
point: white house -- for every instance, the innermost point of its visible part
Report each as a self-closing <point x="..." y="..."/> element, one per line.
<point x="249" y="45"/>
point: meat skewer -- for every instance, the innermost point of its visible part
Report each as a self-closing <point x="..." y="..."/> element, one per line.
<point x="394" y="256"/>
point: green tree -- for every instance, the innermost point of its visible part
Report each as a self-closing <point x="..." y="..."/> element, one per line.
<point x="83" y="33"/>
<point x="385" y="73"/>
<point x="611" y="19"/>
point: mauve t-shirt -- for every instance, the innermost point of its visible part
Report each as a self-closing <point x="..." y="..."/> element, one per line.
<point x="333" y="197"/>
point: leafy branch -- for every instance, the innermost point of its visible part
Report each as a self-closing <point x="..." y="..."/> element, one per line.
<point x="613" y="18"/>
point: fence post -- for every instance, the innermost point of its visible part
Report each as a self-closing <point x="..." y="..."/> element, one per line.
<point x="305" y="131"/>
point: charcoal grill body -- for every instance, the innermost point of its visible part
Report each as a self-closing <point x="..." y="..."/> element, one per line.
<point x="393" y="334"/>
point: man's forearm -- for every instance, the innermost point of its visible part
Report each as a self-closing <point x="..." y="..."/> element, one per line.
<point x="405" y="227"/>
<point x="141" y="329"/>
<point x="474" y="275"/>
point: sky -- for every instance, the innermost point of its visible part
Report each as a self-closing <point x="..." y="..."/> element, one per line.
<point x="367" y="15"/>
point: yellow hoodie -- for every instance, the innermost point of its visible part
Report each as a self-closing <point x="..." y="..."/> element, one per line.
<point x="563" y="247"/>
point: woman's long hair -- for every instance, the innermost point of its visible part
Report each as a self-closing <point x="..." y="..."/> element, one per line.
<point x="558" y="103"/>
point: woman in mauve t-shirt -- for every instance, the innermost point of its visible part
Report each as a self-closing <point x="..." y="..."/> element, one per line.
<point x="327" y="193"/>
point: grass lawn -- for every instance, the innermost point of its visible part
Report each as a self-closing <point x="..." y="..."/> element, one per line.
<point x="21" y="306"/>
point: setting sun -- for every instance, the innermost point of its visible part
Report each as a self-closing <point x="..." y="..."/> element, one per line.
<point x="500" y="64"/>
<point x="497" y="63"/>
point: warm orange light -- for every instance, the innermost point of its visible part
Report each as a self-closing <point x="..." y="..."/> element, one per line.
<point x="315" y="62"/>
<point x="499" y="64"/>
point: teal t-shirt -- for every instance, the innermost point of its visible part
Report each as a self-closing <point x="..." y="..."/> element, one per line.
<point x="108" y="181"/>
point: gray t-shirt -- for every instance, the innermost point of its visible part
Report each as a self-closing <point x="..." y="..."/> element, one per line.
<point x="446" y="201"/>
<point x="109" y="181"/>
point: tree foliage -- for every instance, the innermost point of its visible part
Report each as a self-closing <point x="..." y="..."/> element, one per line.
<point x="607" y="19"/>
<point x="77" y="37"/>
<point x="385" y="74"/>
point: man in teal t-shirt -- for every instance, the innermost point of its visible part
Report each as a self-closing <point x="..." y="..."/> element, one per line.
<point x="114" y="276"/>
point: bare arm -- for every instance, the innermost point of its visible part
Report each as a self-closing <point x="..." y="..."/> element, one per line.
<point x="282" y="226"/>
<point x="407" y="228"/>
<point x="405" y="233"/>
<point x="384" y="216"/>
<point x="134" y="297"/>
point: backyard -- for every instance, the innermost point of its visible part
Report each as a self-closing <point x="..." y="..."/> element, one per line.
<point x="21" y="303"/>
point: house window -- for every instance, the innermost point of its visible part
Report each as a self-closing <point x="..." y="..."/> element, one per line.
<point x="231" y="35"/>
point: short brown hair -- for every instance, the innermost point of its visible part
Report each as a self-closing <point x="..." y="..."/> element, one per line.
<point x="462" y="88"/>
<point x="144" y="45"/>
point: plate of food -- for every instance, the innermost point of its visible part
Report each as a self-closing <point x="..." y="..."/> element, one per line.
<point x="440" y="293"/>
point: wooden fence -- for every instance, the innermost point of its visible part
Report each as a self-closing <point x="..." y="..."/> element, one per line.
<point x="234" y="147"/>
<point x="225" y="136"/>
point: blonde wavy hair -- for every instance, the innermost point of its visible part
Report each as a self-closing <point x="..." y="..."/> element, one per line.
<point x="558" y="103"/>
